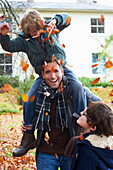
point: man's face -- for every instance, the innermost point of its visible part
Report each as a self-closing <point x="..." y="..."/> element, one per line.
<point x="52" y="74"/>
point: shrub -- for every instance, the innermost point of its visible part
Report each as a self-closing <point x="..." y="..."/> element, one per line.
<point x="88" y="82"/>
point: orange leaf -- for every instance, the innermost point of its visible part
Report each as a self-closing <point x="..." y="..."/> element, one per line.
<point x="41" y="23"/>
<point x="9" y="54"/>
<point x="46" y="39"/>
<point x="52" y="69"/>
<point x="35" y="36"/>
<point x="47" y="136"/>
<point x="68" y="20"/>
<point x="25" y="97"/>
<point x="111" y="82"/>
<point x="32" y="98"/>
<point x="21" y="108"/>
<point x="2" y="17"/>
<point x="95" y="65"/>
<point x="102" y="45"/>
<point x="18" y="93"/>
<point x="7" y="88"/>
<point x="108" y="64"/>
<point x="96" y="81"/>
<point x="20" y="27"/>
<point x="101" y="19"/>
<point x="23" y="63"/>
<point x="52" y="41"/>
<point x="56" y="155"/>
<point x="61" y="88"/>
<point x="46" y="113"/>
<point x="111" y="93"/>
<point x="81" y="137"/>
<point x="55" y="31"/>
<point x="25" y="68"/>
<point x="27" y="39"/>
<point x="98" y="59"/>
<point x="63" y="45"/>
<point x="11" y="129"/>
<point x="42" y="31"/>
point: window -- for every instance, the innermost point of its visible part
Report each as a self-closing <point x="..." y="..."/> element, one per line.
<point x="100" y="69"/>
<point x="5" y="64"/>
<point x="96" y="26"/>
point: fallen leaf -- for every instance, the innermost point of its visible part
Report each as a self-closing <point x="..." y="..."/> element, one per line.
<point x="2" y="17"/>
<point x="96" y="81"/>
<point x="108" y="64"/>
<point x="32" y="98"/>
<point x="68" y="21"/>
<point x="95" y="65"/>
<point x="25" y="97"/>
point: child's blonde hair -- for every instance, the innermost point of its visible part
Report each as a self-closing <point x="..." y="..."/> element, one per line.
<point x="31" y="21"/>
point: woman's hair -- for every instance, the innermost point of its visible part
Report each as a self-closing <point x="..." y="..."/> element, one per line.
<point x="102" y="116"/>
<point x="31" y="21"/>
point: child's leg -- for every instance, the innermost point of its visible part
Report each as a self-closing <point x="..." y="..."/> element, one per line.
<point x="79" y="94"/>
<point x="29" y="107"/>
<point x="28" y="140"/>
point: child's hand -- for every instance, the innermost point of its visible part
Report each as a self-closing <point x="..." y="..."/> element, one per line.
<point x="52" y="24"/>
<point x="4" y="28"/>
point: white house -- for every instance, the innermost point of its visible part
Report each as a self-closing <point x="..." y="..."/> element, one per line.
<point x="84" y="38"/>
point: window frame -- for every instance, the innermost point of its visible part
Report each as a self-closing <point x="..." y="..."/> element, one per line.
<point x="98" y="26"/>
<point x="99" y="67"/>
<point x="5" y="64"/>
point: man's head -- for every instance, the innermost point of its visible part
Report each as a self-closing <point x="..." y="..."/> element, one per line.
<point x="52" y="72"/>
<point x="32" y="22"/>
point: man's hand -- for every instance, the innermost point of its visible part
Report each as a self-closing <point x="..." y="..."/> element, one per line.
<point x="4" y="28"/>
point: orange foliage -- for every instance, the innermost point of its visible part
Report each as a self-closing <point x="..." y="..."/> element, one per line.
<point x="61" y="88"/>
<point x="63" y="45"/>
<point x="101" y="19"/>
<point x="111" y="93"/>
<point x="32" y="98"/>
<point x="7" y="88"/>
<point x="95" y="65"/>
<point x="96" y="81"/>
<point x="2" y="17"/>
<point x="52" y="69"/>
<point x="111" y="82"/>
<point x="24" y="65"/>
<point x="108" y="64"/>
<point x="42" y="23"/>
<point x="25" y="97"/>
<point x="68" y="20"/>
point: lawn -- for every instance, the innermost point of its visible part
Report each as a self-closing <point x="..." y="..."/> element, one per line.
<point x="10" y="131"/>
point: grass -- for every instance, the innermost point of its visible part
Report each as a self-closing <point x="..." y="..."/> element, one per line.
<point x="10" y="136"/>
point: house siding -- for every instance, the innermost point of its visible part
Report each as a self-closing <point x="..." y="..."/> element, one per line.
<point x="78" y="40"/>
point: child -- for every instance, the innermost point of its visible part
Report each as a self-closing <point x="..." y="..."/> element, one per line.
<point x="94" y="149"/>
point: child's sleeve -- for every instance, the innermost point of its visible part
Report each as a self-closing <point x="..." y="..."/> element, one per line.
<point x="63" y="20"/>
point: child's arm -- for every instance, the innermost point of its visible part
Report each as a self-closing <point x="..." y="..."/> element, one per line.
<point x="15" y="45"/>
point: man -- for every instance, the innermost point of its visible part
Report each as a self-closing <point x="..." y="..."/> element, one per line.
<point x="53" y="117"/>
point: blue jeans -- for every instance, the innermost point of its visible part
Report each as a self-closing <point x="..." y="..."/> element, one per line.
<point x="79" y="96"/>
<point x="50" y="162"/>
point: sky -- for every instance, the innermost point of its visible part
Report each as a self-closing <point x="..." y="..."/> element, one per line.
<point x="103" y="2"/>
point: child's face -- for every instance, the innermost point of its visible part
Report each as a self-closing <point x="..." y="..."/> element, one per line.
<point x="34" y="32"/>
<point x="82" y="121"/>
